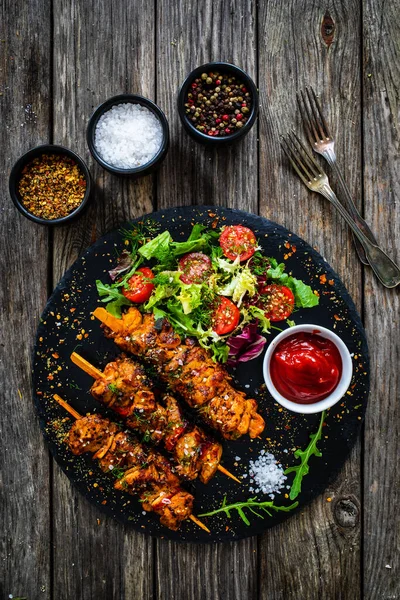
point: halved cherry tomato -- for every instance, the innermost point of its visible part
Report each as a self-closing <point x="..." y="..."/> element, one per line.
<point x="277" y="301"/>
<point x="139" y="287"/>
<point x="237" y="240"/>
<point x="195" y="267"/>
<point x="225" y="317"/>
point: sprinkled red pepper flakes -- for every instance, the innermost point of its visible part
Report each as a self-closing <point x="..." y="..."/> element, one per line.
<point x="52" y="186"/>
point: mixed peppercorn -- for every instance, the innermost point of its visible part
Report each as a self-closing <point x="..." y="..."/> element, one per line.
<point x="218" y="104"/>
<point x="52" y="186"/>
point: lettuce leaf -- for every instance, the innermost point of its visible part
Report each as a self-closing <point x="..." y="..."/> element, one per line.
<point x="303" y="294"/>
<point x="157" y="247"/>
<point x="114" y="307"/>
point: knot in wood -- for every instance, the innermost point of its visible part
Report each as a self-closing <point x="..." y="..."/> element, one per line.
<point x="346" y="512"/>
<point x="328" y="29"/>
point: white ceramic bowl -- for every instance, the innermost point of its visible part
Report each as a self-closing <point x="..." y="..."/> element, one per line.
<point x="338" y="392"/>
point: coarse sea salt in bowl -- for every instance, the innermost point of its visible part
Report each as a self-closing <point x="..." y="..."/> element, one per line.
<point x="128" y="135"/>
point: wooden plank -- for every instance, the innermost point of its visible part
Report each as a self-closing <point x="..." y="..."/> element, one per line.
<point x="101" y="49"/>
<point x="316" y="554"/>
<point x="381" y="85"/>
<point x="190" y="34"/>
<point x="24" y="462"/>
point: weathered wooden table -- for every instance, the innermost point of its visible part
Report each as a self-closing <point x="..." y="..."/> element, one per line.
<point x="58" y="60"/>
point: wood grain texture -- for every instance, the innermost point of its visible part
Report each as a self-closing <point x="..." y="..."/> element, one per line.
<point x="381" y="83"/>
<point x="52" y="544"/>
<point x="101" y="49"/>
<point x="24" y="461"/>
<point x="316" y="554"/>
<point x="188" y="35"/>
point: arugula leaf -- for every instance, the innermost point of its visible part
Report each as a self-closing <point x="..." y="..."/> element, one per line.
<point x="304" y="455"/>
<point x="108" y="292"/>
<point x="115" y="300"/>
<point x="250" y="504"/>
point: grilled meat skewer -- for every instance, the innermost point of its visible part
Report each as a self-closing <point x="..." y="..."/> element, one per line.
<point x="124" y="388"/>
<point x="143" y="471"/>
<point x="188" y="370"/>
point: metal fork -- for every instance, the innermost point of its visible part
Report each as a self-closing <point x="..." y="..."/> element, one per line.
<point x="322" y="142"/>
<point x="313" y="176"/>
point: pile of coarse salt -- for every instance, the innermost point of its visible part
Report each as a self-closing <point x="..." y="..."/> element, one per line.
<point x="266" y="475"/>
<point x="128" y="136"/>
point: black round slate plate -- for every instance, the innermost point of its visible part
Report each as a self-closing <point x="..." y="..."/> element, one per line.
<point x="67" y="325"/>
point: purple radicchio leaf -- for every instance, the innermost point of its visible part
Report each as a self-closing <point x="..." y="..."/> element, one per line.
<point x="124" y="263"/>
<point x="247" y="345"/>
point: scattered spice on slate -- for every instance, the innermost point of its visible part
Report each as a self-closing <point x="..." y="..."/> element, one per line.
<point x="218" y="104"/>
<point x="52" y="186"/>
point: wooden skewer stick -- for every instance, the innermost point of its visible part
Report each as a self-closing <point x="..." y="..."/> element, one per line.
<point x="228" y="473"/>
<point x="83" y="364"/>
<point x="67" y="407"/>
<point x="112" y="322"/>
<point x="75" y="414"/>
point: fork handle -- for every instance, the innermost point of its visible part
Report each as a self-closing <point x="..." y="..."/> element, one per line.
<point x="330" y="158"/>
<point x="384" y="268"/>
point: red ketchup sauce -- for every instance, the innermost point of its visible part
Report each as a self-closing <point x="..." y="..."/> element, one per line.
<point x="305" y="367"/>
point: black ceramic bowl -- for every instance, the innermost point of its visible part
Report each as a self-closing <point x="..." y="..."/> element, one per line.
<point x="157" y="159"/>
<point x="26" y="158"/>
<point x="224" y="68"/>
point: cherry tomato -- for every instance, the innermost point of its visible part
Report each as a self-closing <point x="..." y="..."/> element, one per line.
<point x="236" y="240"/>
<point x="195" y="267"/>
<point x="277" y="301"/>
<point x="225" y="317"/>
<point x="139" y="287"/>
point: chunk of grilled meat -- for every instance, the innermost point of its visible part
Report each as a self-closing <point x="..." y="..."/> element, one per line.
<point x="190" y="371"/>
<point x="126" y="390"/>
<point x="143" y="471"/>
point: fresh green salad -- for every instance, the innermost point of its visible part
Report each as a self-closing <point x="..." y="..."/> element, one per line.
<point x="216" y="286"/>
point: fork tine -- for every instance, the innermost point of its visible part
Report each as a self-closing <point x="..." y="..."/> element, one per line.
<point x="317" y="120"/>
<point x="317" y="104"/>
<point x="287" y="150"/>
<point x="306" y="121"/>
<point x="306" y="156"/>
<point x="310" y="122"/>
